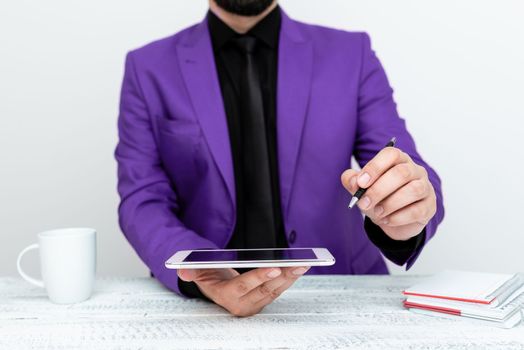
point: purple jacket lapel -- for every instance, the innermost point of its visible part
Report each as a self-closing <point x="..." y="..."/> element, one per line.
<point x="197" y="63"/>
<point x="293" y="87"/>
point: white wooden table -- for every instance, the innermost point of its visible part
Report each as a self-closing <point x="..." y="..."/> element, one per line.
<point x="319" y="312"/>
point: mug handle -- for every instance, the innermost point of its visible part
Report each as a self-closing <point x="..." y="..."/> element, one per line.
<point x="25" y="276"/>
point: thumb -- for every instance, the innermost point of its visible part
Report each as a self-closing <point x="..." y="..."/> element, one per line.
<point x="349" y="180"/>
<point x="188" y="275"/>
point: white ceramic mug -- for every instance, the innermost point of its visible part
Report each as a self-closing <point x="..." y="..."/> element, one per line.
<point x="68" y="264"/>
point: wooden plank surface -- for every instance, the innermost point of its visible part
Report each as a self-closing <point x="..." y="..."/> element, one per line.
<point x="319" y="312"/>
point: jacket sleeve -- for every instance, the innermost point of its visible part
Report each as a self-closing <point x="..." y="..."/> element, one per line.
<point x="378" y="121"/>
<point x="148" y="203"/>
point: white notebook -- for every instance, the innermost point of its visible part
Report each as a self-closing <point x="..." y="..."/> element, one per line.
<point x="473" y="287"/>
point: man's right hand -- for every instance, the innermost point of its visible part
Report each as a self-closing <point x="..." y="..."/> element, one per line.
<point x="243" y="294"/>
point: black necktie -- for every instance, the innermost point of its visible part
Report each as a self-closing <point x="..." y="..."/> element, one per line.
<point x="258" y="213"/>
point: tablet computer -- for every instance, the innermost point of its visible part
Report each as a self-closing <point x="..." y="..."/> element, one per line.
<point x="249" y="258"/>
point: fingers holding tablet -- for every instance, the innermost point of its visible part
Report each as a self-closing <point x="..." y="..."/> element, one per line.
<point x="243" y="294"/>
<point x="270" y="290"/>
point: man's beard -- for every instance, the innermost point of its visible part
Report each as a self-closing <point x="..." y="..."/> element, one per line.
<point x="244" y="7"/>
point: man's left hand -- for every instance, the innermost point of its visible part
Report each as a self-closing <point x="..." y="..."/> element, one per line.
<point x="399" y="198"/>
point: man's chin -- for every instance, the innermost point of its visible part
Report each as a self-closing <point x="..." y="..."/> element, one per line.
<point x="244" y="7"/>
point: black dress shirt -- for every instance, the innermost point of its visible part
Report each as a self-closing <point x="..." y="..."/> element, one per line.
<point x="229" y="63"/>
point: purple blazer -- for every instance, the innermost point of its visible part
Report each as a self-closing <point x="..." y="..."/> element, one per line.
<point x="175" y="171"/>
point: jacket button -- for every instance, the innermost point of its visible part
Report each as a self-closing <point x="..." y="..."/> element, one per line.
<point x="292" y="237"/>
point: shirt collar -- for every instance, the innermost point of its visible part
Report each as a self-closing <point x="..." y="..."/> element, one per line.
<point x="267" y="30"/>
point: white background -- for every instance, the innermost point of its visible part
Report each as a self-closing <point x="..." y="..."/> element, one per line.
<point x="457" y="68"/>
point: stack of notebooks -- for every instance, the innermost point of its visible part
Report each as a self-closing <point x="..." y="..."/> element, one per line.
<point x="494" y="299"/>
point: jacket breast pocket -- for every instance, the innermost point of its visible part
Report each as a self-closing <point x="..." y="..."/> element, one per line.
<point x="180" y="144"/>
<point x="179" y="127"/>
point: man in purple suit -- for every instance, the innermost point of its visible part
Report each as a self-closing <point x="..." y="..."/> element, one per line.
<point x="237" y="131"/>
